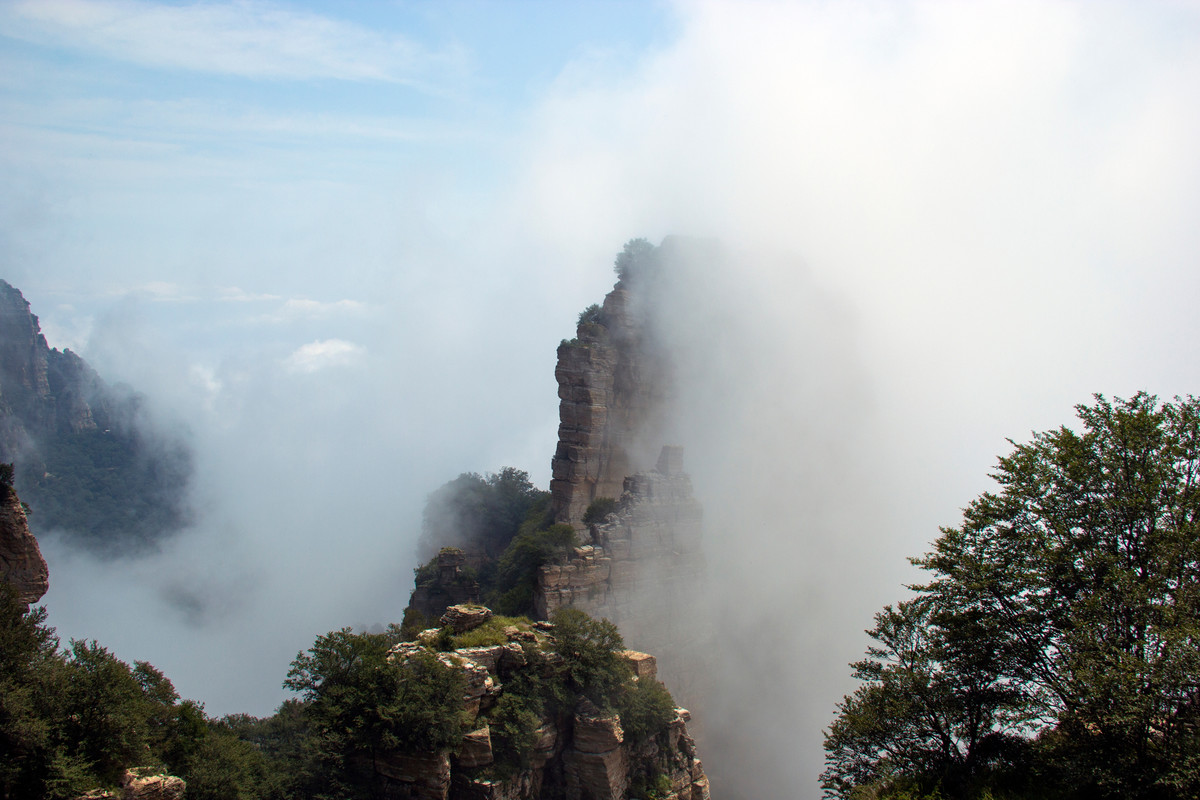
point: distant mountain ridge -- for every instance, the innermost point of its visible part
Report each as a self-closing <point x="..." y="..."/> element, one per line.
<point x="86" y="462"/>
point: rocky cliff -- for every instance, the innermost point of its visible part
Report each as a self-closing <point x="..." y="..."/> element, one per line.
<point x="87" y="460"/>
<point x="643" y="568"/>
<point x="614" y="386"/>
<point x="21" y="562"/>
<point x="43" y="392"/>
<point x="584" y="754"/>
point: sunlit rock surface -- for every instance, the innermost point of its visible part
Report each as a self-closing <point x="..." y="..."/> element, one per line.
<point x="21" y="562"/>
<point x="579" y="756"/>
<point x="643" y="568"/>
<point x="612" y="383"/>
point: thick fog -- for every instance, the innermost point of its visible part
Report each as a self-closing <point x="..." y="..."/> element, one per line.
<point x="945" y="225"/>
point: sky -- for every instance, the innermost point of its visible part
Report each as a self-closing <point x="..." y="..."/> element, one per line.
<point x="338" y="243"/>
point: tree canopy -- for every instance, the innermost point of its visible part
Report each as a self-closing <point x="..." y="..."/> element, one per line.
<point x="1055" y="649"/>
<point x="480" y="514"/>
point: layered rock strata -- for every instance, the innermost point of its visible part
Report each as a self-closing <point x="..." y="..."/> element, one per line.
<point x="21" y="562"/>
<point x="613" y="384"/>
<point x="642" y="568"/>
<point x="581" y="756"/>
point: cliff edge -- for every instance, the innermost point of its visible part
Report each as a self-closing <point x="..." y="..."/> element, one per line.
<point x="21" y="562"/>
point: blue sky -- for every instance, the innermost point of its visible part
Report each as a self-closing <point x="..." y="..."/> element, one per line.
<point x="343" y="240"/>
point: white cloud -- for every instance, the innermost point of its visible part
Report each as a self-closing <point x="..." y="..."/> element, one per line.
<point x="252" y="39"/>
<point x="323" y="354"/>
<point x="296" y="308"/>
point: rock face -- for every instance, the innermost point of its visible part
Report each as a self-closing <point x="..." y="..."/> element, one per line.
<point x="42" y="391"/>
<point x="449" y="585"/>
<point x="143" y="784"/>
<point x="642" y="568"/>
<point x="613" y="383"/>
<point x="581" y="756"/>
<point x="64" y="428"/>
<point x="21" y="562"/>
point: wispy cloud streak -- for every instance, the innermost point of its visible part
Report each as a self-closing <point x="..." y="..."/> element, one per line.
<point x="249" y="39"/>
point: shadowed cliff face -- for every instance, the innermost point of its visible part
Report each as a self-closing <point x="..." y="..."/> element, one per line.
<point x="87" y="460"/>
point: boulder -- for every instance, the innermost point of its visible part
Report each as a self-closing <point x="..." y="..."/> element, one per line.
<point x="462" y="618"/>
<point x="475" y="750"/>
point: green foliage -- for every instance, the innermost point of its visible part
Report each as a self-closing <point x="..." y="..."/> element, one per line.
<point x="358" y="703"/>
<point x="590" y="650"/>
<point x="225" y="767"/>
<point x="489" y="633"/>
<point x="592" y="325"/>
<point x="110" y="490"/>
<point x="516" y="571"/>
<point x="599" y="509"/>
<point x="592" y="315"/>
<point x="646" y="708"/>
<point x="413" y="623"/>
<point x="75" y="720"/>
<point x="479" y="514"/>
<point x="107" y="711"/>
<point x="651" y="787"/>
<point x="514" y="724"/>
<point x="635" y="259"/>
<point x="1057" y="647"/>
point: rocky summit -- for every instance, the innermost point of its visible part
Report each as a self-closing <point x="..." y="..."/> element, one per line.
<point x="586" y="754"/>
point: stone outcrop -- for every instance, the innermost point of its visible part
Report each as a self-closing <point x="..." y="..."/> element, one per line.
<point x="42" y="391"/>
<point x="613" y="382"/>
<point x="449" y="584"/>
<point x="21" y="562"/>
<point x="584" y="755"/>
<point x="642" y="568"/>
<point x="144" y="784"/>
<point x="461" y="618"/>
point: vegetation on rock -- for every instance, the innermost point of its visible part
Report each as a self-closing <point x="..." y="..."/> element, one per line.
<point x="478" y="513"/>
<point x="1055" y="651"/>
<point x="500" y="524"/>
<point x="599" y="509"/>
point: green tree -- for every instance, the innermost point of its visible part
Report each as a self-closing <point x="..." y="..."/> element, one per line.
<point x="478" y="513"/>
<point x="635" y="258"/>
<point x="591" y="664"/>
<point x="361" y="704"/>
<point x="106" y="711"/>
<point x="1077" y="587"/>
<point x="516" y="572"/>
<point x="32" y="676"/>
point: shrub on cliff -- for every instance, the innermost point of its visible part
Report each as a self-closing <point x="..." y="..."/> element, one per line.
<point x="591" y="664"/>
<point x="516" y="572"/>
<point x="480" y="514"/>
<point x="358" y="696"/>
<point x="646" y="708"/>
<point x="637" y="256"/>
<point x="599" y="509"/>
